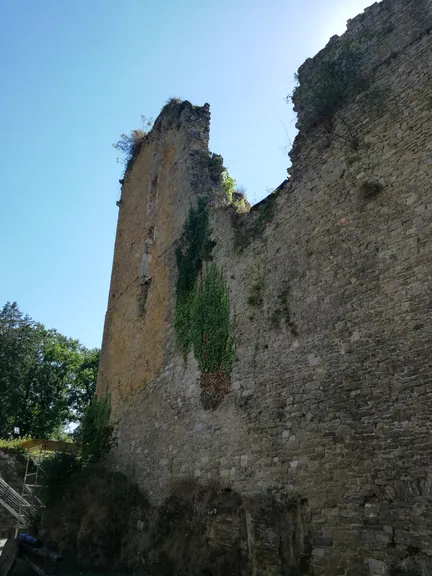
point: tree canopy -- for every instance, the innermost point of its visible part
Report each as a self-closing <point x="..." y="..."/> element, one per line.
<point x="46" y="379"/>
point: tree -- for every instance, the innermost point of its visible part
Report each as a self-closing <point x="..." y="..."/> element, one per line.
<point x="46" y="379"/>
<point x="84" y="387"/>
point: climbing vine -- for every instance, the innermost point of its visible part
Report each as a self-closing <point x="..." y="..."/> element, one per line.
<point x="212" y="340"/>
<point x="194" y="248"/>
<point x="202" y="311"/>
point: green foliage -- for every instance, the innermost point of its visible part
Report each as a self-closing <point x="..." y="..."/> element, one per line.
<point x="59" y="470"/>
<point x="129" y="145"/>
<point x="183" y="320"/>
<point x="337" y="79"/>
<point x="94" y="440"/>
<point x="94" y="433"/>
<point x="239" y="200"/>
<point x="84" y="385"/>
<point x="194" y="248"/>
<point x="201" y="318"/>
<point x="211" y="336"/>
<point x="46" y="379"/>
<point x="229" y="185"/>
<point x="202" y="315"/>
<point x="13" y="445"/>
<point x="215" y="166"/>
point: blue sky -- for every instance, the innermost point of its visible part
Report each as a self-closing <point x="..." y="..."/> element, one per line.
<point x="77" y="74"/>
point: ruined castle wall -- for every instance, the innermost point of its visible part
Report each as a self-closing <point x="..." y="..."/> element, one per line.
<point x="331" y="391"/>
<point x="155" y="198"/>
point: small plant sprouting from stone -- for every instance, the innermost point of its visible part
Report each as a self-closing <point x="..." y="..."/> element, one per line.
<point x="245" y="232"/>
<point x="229" y="185"/>
<point x="129" y="145"/>
<point x="215" y="167"/>
<point x="349" y="136"/>
<point x="234" y="194"/>
<point x="256" y="293"/>
<point x="370" y="190"/>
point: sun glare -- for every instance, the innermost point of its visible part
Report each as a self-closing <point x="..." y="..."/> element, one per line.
<point x="336" y="22"/>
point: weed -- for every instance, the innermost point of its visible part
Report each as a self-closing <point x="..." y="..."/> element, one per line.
<point x="370" y="190"/>
<point x="130" y="144"/>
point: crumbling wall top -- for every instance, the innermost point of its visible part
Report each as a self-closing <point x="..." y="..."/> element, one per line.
<point x="376" y="36"/>
<point x="176" y="111"/>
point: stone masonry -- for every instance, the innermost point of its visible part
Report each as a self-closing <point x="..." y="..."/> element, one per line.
<point x="331" y="396"/>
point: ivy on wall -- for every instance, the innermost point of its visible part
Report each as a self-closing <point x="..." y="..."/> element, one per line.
<point x="202" y="311"/>
<point x="212" y="340"/>
<point x="194" y="248"/>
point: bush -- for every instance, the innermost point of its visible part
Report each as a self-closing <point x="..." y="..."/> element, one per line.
<point x="94" y="434"/>
<point x="13" y="445"/>
<point x="229" y="185"/>
<point x="338" y="79"/>
<point x="59" y="471"/>
<point x="94" y="439"/>
<point x="129" y="145"/>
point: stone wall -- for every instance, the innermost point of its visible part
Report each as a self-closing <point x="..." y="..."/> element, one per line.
<point x="331" y="391"/>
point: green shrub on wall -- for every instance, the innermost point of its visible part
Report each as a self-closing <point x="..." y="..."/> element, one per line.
<point x="211" y="335"/>
<point x="202" y="313"/>
<point x="338" y="79"/>
<point x="229" y="185"/>
<point x="194" y="248"/>
<point x="94" y="434"/>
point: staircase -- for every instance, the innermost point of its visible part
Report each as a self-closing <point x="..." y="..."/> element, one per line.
<point x="24" y="506"/>
<point x="16" y="504"/>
